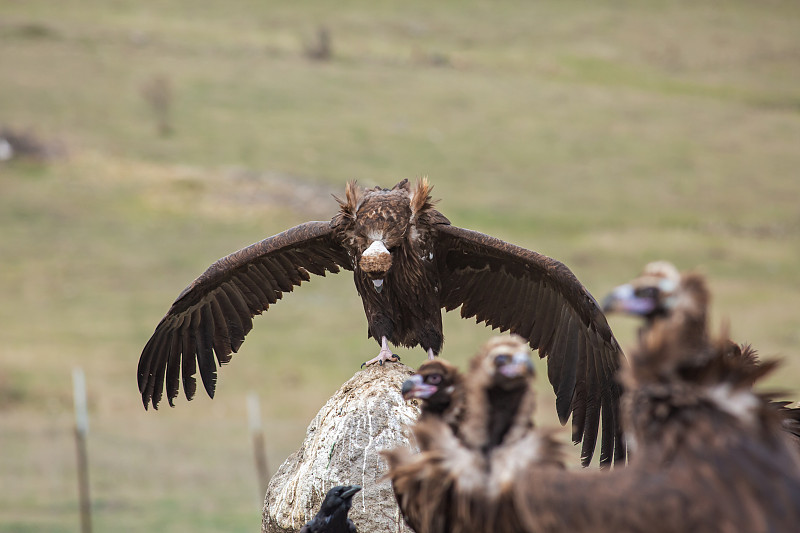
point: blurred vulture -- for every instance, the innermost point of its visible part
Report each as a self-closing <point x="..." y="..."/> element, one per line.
<point x="708" y="454"/>
<point x="662" y="293"/>
<point x="408" y="264"/>
<point x="460" y="479"/>
<point x="439" y="386"/>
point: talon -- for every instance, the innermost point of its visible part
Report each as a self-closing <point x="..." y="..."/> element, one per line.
<point x="384" y="355"/>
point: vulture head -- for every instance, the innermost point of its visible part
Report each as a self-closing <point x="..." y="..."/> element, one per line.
<point x="652" y="294"/>
<point x="499" y="399"/>
<point x="435" y="382"/>
<point x="506" y="363"/>
<point x="381" y="225"/>
<point x="676" y="302"/>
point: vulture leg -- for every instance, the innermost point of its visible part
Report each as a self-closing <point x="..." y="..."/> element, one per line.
<point x="384" y="355"/>
<point x="431" y="355"/>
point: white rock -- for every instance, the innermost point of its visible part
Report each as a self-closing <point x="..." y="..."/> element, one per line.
<point x="366" y="415"/>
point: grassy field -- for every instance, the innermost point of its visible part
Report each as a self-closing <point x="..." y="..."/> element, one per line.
<point x="605" y="134"/>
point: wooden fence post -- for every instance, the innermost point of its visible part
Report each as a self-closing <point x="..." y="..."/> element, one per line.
<point x="259" y="447"/>
<point x="81" y="430"/>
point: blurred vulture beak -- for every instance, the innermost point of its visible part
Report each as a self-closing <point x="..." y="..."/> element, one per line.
<point x="623" y="299"/>
<point x="415" y="387"/>
<point x="520" y="365"/>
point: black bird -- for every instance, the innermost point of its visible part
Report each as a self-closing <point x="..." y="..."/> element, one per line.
<point x="409" y="262"/>
<point x="332" y="515"/>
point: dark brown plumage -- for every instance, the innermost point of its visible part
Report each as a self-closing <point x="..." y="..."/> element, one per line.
<point x="709" y="454"/>
<point x="460" y="479"/>
<point x="438" y="385"/>
<point x="663" y="294"/>
<point x="499" y="401"/>
<point x="408" y="264"/>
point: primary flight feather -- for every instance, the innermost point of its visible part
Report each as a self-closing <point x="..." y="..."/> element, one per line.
<point x="408" y="263"/>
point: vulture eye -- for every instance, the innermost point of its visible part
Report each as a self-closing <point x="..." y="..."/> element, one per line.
<point x="502" y="359"/>
<point x="434" y="379"/>
<point x="647" y="292"/>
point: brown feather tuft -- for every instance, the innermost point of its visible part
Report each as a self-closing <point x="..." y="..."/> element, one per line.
<point x="421" y="197"/>
<point x="353" y="195"/>
<point x="402" y="184"/>
<point x="664" y="355"/>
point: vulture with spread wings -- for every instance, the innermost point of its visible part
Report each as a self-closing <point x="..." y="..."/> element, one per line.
<point x="408" y="264"/>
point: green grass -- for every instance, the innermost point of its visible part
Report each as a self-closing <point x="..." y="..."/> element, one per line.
<point x="603" y="134"/>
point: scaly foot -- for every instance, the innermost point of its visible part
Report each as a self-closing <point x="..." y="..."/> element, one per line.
<point x="384" y="355"/>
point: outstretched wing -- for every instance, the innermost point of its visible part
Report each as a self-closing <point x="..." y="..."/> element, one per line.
<point x="540" y="299"/>
<point x="214" y="313"/>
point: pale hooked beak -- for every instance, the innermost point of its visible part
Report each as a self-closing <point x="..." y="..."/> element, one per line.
<point x="623" y="299"/>
<point x="520" y="365"/>
<point x="415" y="387"/>
<point x="375" y="262"/>
<point x="376" y="248"/>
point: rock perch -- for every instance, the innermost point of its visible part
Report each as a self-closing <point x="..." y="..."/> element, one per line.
<point x="366" y="415"/>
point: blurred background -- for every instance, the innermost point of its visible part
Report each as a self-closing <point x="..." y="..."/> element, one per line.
<point x="141" y="141"/>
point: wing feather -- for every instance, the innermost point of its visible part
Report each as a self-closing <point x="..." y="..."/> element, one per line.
<point x="146" y="365"/>
<point x="278" y="274"/>
<point x="234" y="324"/>
<point x="173" y="369"/>
<point x="509" y="287"/>
<point x="579" y="398"/>
<point x="156" y="387"/>
<point x="539" y="314"/>
<point x="188" y="369"/>
<point x="258" y="301"/>
<point x="146" y="360"/>
<point x="607" y="436"/>
<point x="222" y="343"/>
<point x="188" y="352"/>
<point x="269" y="283"/>
<point x="546" y="313"/>
<point x="205" y="355"/>
<point x="569" y="368"/>
<point x="593" y="404"/>
<point x="555" y="345"/>
<point x="530" y="294"/>
<point x="215" y="312"/>
<point x="504" y="311"/>
<point x="234" y="292"/>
